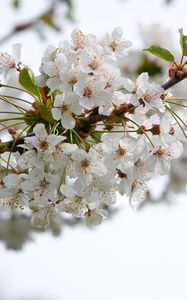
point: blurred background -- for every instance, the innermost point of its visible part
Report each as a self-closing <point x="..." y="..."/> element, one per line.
<point x="134" y="254"/>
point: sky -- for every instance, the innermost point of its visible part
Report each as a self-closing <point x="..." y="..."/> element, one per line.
<point x="96" y="17"/>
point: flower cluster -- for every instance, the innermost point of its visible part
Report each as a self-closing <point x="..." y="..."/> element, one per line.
<point x="85" y="72"/>
<point x="92" y="133"/>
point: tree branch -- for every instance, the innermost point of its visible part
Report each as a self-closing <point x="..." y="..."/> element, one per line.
<point x="171" y="82"/>
<point x="96" y="117"/>
<point x="86" y="123"/>
<point x="24" y="26"/>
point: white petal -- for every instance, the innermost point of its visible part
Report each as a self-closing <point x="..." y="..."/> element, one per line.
<point x="50" y="69"/>
<point x="54" y="139"/>
<point x="86" y="103"/>
<point x="67" y="191"/>
<point x="59" y="100"/>
<point x="39" y="131"/>
<point x="117" y="33"/>
<point x="69" y="148"/>
<point x="129" y="85"/>
<point x="163" y="166"/>
<point x="56" y="113"/>
<point x="53" y="83"/>
<point x="68" y="122"/>
<point x="142" y="78"/>
<point x="177" y="149"/>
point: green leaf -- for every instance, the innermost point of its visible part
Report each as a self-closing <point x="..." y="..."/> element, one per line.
<point x="161" y="52"/>
<point x="49" y="20"/>
<point x="69" y="13"/>
<point x="149" y="66"/>
<point x="183" y="42"/>
<point x="45" y="111"/>
<point x="16" y="3"/>
<point x="26" y="80"/>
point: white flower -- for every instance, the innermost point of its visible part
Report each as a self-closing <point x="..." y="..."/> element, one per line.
<point x="161" y="157"/>
<point x="95" y="217"/>
<point x="80" y="40"/>
<point x="92" y="60"/>
<point x="69" y="77"/>
<point x="9" y="63"/>
<point x="13" y="194"/>
<point x="42" y="216"/>
<point x="125" y="183"/>
<point x="62" y="157"/>
<point x="29" y="159"/>
<point x="44" y="144"/>
<point x="41" y="186"/>
<point x="119" y="154"/>
<point x="138" y="194"/>
<point x="65" y="105"/>
<point x="170" y="130"/>
<point x="92" y="93"/>
<point x="115" y="43"/>
<point x="53" y="61"/>
<point x="119" y="98"/>
<point x="72" y="203"/>
<point x="144" y="93"/>
<point x="141" y="170"/>
<point x="101" y="191"/>
<point x="85" y="165"/>
<point x="134" y="138"/>
<point x="13" y="159"/>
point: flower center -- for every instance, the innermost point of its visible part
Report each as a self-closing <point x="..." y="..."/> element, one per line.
<point x="79" y="40"/>
<point x="161" y="153"/>
<point x="121" y="152"/>
<point x="72" y="81"/>
<point x="140" y="164"/>
<point x="148" y="96"/>
<point x="64" y="108"/>
<point x="172" y="130"/>
<point x="114" y="45"/>
<point x="94" y="63"/>
<point x="44" y="145"/>
<point x="87" y="92"/>
<point x="44" y="184"/>
<point x="85" y="163"/>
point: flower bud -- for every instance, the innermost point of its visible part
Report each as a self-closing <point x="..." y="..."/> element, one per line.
<point x="155" y="129"/>
<point x="172" y="71"/>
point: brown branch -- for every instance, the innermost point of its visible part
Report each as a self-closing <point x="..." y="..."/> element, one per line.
<point x="96" y="117"/>
<point x="171" y="82"/>
<point x="14" y="145"/>
<point x="85" y="123"/>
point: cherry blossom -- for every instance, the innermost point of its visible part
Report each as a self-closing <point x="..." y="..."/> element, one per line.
<point x="90" y="133"/>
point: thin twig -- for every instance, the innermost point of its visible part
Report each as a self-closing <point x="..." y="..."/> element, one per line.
<point x="95" y="117"/>
<point x="24" y="26"/>
<point x="171" y="82"/>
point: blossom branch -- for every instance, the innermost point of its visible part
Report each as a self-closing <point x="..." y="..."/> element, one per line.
<point x="96" y="117"/>
<point x="82" y="91"/>
<point x="85" y="123"/>
<point x="171" y="82"/>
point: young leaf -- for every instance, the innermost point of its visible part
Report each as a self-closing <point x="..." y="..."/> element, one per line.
<point x="49" y="20"/>
<point x="16" y="3"/>
<point x="45" y="111"/>
<point x="69" y="13"/>
<point x="161" y="52"/>
<point x="27" y="82"/>
<point x="183" y="42"/>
